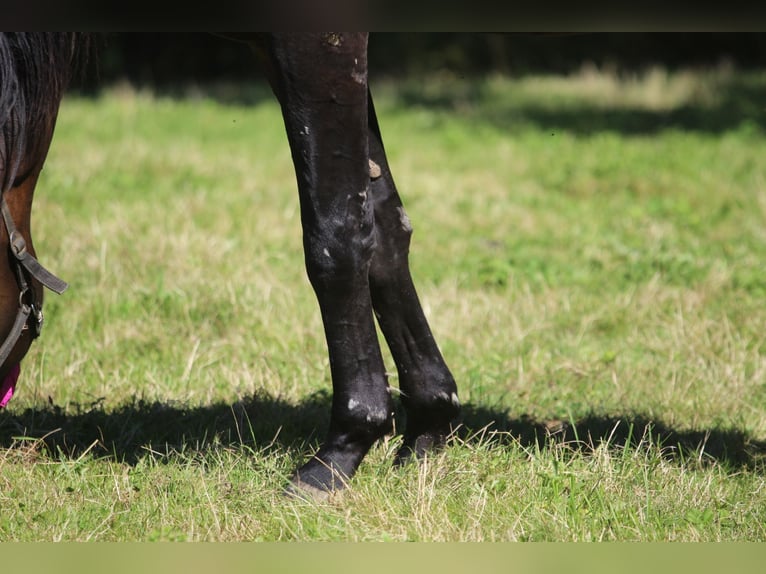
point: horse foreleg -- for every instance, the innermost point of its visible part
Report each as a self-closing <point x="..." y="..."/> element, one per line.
<point x="321" y="83"/>
<point x="428" y="390"/>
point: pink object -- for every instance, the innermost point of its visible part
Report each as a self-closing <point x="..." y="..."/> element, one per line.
<point x="9" y="385"/>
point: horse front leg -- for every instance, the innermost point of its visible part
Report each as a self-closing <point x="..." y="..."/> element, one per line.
<point x="428" y="390"/>
<point x="321" y="83"/>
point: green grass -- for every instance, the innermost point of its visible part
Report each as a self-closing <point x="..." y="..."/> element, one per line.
<point x="590" y="251"/>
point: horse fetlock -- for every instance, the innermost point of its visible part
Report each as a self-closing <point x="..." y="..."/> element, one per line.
<point x="442" y="405"/>
<point x="429" y="421"/>
<point x="366" y="421"/>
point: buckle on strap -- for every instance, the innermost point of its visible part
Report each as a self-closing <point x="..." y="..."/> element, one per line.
<point x="18" y="244"/>
<point x="33" y="311"/>
<point x="16" y="330"/>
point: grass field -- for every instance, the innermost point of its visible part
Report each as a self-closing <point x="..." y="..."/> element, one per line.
<point x="590" y="251"/>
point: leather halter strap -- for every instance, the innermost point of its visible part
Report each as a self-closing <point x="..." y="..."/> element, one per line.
<point x="24" y="262"/>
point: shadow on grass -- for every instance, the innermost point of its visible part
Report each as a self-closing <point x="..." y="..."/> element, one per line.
<point x="731" y="447"/>
<point x="141" y="429"/>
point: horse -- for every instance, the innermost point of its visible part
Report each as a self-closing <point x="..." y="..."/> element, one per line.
<point x="356" y="237"/>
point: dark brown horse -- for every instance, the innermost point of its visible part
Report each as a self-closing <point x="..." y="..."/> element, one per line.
<point x="356" y="235"/>
<point x="34" y="69"/>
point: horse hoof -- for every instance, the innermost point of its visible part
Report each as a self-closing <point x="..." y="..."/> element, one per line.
<point x="297" y="489"/>
<point x="419" y="447"/>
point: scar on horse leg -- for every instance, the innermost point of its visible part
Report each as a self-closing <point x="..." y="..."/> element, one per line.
<point x="374" y="170"/>
<point x="428" y="389"/>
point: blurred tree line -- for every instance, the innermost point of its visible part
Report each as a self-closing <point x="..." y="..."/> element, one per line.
<point x="171" y="58"/>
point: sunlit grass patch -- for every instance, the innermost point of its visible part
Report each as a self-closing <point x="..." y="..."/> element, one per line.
<point x="589" y="251"/>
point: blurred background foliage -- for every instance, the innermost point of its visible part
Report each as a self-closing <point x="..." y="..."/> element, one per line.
<point x="165" y="59"/>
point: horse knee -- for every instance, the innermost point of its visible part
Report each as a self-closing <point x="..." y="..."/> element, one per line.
<point x="340" y="250"/>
